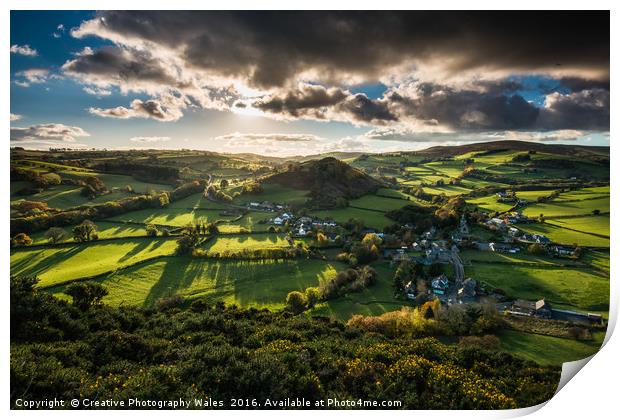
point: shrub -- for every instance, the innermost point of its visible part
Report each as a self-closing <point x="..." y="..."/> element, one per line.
<point x="85" y="231"/>
<point x="55" y="235"/>
<point x="312" y="296"/>
<point x="296" y="302"/>
<point x="86" y="294"/>
<point x="151" y="230"/>
<point x="21" y="239"/>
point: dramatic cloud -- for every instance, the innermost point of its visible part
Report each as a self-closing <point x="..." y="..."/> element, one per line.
<point x="442" y="71"/>
<point x="152" y="139"/>
<point x="488" y="107"/>
<point x="61" y="132"/>
<point x="110" y="66"/>
<point x="271" y="48"/>
<point x="320" y="103"/>
<point x="32" y="76"/>
<point x="586" y="109"/>
<point x="23" y="50"/>
<point x="168" y="108"/>
<point x="15" y="117"/>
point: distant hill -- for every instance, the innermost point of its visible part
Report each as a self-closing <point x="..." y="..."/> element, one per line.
<point x="329" y="181"/>
<point x="559" y="149"/>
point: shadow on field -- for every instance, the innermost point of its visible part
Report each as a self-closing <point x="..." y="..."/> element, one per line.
<point x="178" y="274"/>
<point x="141" y="246"/>
<point x="27" y="267"/>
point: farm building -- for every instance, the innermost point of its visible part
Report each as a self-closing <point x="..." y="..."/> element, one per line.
<point x="440" y="285"/>
<point x="503" y="248"/>
<point x="529" y="308"/>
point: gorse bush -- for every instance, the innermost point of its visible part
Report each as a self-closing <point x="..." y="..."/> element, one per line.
<point x="213" y="351"/>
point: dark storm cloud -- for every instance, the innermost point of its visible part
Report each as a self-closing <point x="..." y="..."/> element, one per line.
<point x="271" y="48"/>
<point x="308" y="100"/>
<point x="112" y="64"/>
<point x="584" y="110"/>
<point x="318" y="102"/>
<point x="459" y="70"/>
<point x="577" y="84"/>
<point x="491" y="108"/>
<point x="361" y="108"/>
<point x="498" y="108"/>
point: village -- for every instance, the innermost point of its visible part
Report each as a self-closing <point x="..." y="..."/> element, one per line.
<point x="429" y="248"/>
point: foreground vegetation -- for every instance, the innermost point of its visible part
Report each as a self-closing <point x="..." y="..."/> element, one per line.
<point x="220" y="353"/>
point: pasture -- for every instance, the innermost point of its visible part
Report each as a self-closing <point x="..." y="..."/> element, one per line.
<point x="371" y="219"/>
<point x="489" y="203"/>
<point x="70" y="262"/>
<point x="251" y="221"/>
<point x="555" y="208"/>
<point x="276" y="194"/>
<point x="176" y="217"/>
<point x="261" y="284"/>
<point x="578" y="288"/>
<point x="105" y="230"/>
<point x="246" y="242"/>
<point x="374" y="202"/>
<point x="546" y="350"/>
<point x="564" y="236"/>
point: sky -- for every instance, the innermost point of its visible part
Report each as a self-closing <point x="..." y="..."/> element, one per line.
<point x="300" y="83"/>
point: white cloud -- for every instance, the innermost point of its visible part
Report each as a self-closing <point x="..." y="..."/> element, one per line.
<point x="52" y="131"/>
<point x="32" y="76"/>
<point x="148" y="139"/>
<point x="97" y="91"/>
<point x="60" y="29"/>
<point x="15" y="117"/>
<point x="24" y="50"/>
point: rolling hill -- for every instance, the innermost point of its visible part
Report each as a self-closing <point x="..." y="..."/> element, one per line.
<point x="329" y="180"/>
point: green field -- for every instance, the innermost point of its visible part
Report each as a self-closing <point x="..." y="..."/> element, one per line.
<point x="598" y="225"/>
<point x="520" y="258"/>
<point x="490" y="203"/>
<point x="195" y="201"/>
<point x="581" y="289"/>
<point x="242" y="242"/>
<point x="374" y="300"/>
<point x="372" y="219"/>
<point x="106" y="230"/>
<point x="66" y="196"/>
<point x="276" y="194"/>
<point x="250" y="221"/>
<point x="246" y="283"/>
<point x="70" y="262"/>
<point x="599" y="260"/>
<point x="171" y="216"/>
<point x="110" y="180"/>
<point x="567" y="208"/>
<point x="374" y="202"/>
<point x="547" y="350"/>
<point x="564" y="236"/>
<point x="449" y="190"/>
<point x="532" y="196"/>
